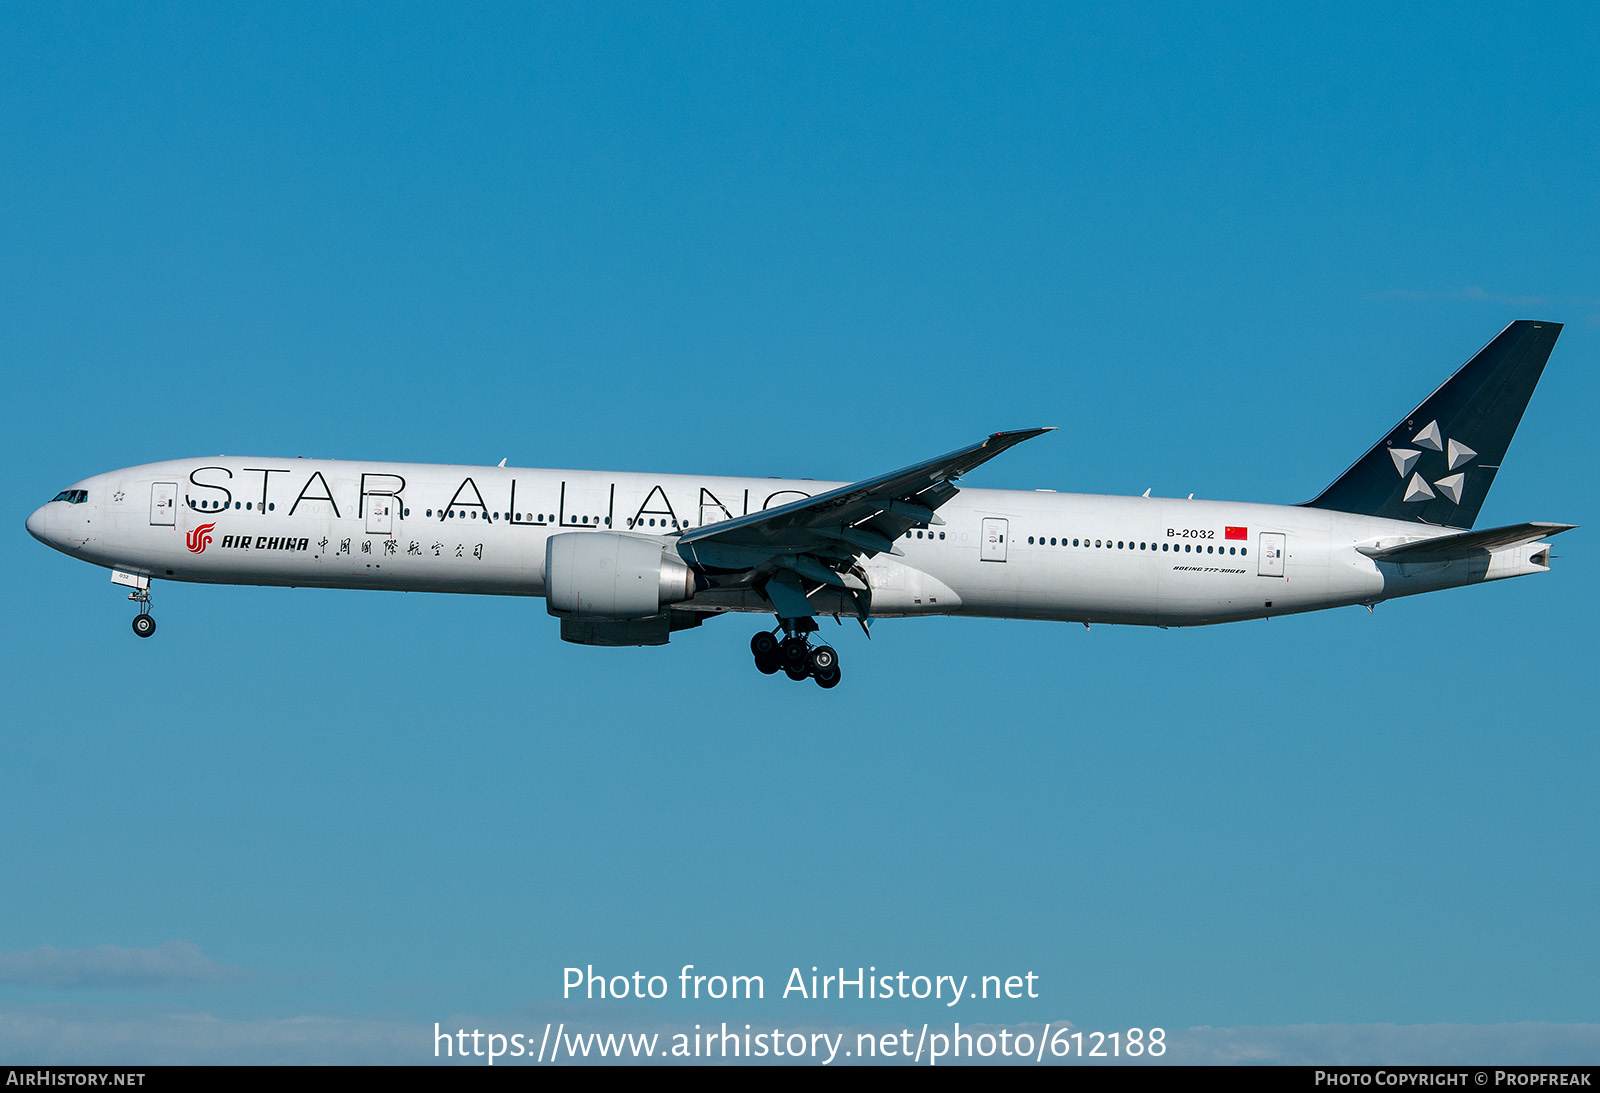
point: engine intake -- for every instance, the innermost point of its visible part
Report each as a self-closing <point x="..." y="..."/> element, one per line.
<point x="612" y="575"/>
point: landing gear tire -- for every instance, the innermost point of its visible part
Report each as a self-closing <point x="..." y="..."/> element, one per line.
<point x="144" y="625"/>
<point x="795" y="654"/>
<point x="823" y="660"/>
<point x="765" y="648"/>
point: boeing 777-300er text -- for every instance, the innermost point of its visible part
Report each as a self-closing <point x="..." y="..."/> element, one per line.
<point x="628" y="559"/>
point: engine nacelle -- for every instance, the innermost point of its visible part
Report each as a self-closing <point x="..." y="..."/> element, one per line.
<point x="612" y="575"/>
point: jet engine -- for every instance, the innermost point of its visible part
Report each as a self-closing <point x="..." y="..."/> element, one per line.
<point x="612" y="576"/>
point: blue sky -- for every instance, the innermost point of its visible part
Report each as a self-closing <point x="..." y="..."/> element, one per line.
<point x="1222" y="248"/>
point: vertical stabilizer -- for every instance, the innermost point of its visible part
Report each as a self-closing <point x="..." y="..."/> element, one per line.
<point x="1437" y="465"/>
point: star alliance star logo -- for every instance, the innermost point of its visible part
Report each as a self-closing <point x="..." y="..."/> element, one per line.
<point x="117" y="496"/>
<point x="1457" y="455"/>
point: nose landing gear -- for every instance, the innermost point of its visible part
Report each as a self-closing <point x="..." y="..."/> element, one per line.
<point x="143" y="624"/>
<point x="795" y="656"/>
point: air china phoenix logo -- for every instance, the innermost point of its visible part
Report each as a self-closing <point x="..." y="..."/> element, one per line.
<point x="200" y="538"/>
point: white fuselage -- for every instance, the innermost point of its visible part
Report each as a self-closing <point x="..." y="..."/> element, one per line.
<point x="999" y="553"/>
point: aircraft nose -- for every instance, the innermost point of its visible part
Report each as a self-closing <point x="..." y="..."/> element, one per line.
<point x="36" y="525"/>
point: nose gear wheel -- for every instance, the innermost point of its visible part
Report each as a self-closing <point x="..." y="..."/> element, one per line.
<point x="143" y="624"/>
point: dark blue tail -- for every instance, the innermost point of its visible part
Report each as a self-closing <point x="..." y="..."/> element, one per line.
<point x="1437" y="465"/>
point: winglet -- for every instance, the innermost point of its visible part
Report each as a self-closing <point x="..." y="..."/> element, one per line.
<point x="1017" y="436"/>
<point x="1002" y="441"/>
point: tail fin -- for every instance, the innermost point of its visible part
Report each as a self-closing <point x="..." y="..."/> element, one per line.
<point x="1437" y="465"/>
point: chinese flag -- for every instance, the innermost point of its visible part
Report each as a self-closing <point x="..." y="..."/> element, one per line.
<point x="1236" y="533"/>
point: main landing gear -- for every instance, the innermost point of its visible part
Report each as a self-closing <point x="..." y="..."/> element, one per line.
<point x="795" y="656"/>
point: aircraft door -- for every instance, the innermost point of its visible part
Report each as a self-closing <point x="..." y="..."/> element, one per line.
<point x="1271" y="549"/>
<point x="994" y="540"/>
<point x="380" y="514"/>
<point x="163" y="504"/>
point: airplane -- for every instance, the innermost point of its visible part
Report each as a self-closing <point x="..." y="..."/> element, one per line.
<point x="629" y="559"/>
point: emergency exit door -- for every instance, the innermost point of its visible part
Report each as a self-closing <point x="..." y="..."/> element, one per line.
<point x="1271" y="549"/>
<point x="164" y="503"/>
<point x="994" y="540"/>
<point x="380" y="515"/>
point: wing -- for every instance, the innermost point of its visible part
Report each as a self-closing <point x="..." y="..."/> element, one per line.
<point x="818" y="539"/>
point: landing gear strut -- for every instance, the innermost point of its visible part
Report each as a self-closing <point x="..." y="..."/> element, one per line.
<point x="795" y="655"/>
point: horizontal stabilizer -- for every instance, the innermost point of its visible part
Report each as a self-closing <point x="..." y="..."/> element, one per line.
<point x="1465" y="543"/>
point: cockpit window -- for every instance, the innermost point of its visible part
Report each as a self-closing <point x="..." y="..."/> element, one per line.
<point x="72" y="497"/>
